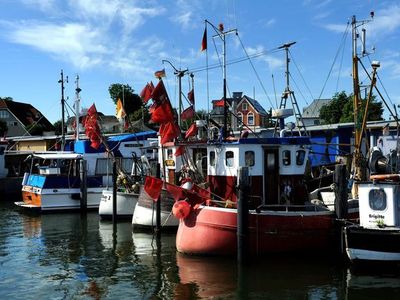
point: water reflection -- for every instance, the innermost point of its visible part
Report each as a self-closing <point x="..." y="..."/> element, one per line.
<point x="74" y="256"/>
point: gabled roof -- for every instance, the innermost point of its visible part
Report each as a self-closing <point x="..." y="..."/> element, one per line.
<point x="312" y="111"/>
<point x="257" y="106"/>
<point x="26" y="114"/>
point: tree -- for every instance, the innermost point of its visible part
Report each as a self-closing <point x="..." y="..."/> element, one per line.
<point x="6" y="98"/>
<point x="341" y="109"/>
<point x="58" y="126"/>
<point x="3" y="128"/>
<point x="131" y="101"/>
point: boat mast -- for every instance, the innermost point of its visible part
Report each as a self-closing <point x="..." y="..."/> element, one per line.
<point x="62" y="110"/>
<point x="221" y="34"/>
<point x="359" y="123"/>
<point x="77" y="106"/>
<point x="179" y="74"/>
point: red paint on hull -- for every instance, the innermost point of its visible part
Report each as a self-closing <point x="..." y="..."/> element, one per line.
<point x="212" y="231"/>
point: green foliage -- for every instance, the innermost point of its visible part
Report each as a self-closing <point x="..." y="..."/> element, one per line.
<point x="35" y="129"/>
<point x="132" y="102"/>
<point x="3" y="127"/>
<point x="341" y="109"/>
<point x="6" y="98"/>
<point x="57" y="127"/>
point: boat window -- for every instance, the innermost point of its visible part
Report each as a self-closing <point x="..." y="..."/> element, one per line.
<point x="103" y="166"/>
<point x="249" y="158"/>
<point x="212" y="158"/>
<point x="169" y="153"/>
<point x="377" y="199"/>
<point x="229" y="158"/>
<point x="300" y="156"/>
<point x="286" y="157"/>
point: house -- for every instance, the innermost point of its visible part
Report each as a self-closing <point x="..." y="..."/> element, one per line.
<point x="248" y="112"/>
<point x="23" y="119"/>
<point x="311" y="113"/>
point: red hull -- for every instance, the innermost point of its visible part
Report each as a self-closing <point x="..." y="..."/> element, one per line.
<point x="212" y="231"/>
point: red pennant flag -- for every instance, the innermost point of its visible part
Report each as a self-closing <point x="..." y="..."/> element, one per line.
<point x="192" y="131"/>
<point x="153" y="187"/>
<point x="191" y="96"/>
<point x="188" y="113"/>
<point x="168" y="132"/>
<point x="145" y="94"/>
<point x="162" y="113"/>
<point x="159" y="93"/>
<point x="92" y="128"/>
<point x="204" y="40"/>
<point x="180" y="150"/>
<point x="177" y="192"/>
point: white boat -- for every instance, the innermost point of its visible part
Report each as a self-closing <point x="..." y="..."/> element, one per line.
<point x="54" y="183"/>
<point x="3" y="169"/>
<point x="144" y="214"/>
<point x="126" y="202"/>
<point x="377" y="237"/>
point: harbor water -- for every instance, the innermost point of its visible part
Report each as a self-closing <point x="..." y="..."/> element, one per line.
<point x="78" y="256"/>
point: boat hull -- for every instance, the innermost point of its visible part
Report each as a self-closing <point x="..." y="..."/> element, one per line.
<point x="144" y="214"/>
<point x="370" y="244"/>
<point x="126" y="203"/>
<point x="58" y="199"/>
<point x="213" y="231"/>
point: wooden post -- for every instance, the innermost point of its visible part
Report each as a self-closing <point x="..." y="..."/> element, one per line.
<point x="158" y="205"/>
<point x="83" y="177"/>
<point x="242" y="215"/>
<point x="341" y="194"/>
<point x="114" y="194"/>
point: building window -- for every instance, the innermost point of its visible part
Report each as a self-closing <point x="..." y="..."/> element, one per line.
<point x="229" y="157"/>
<point x="249" y="158"/>
<point x="4" y="114"/>
<point x="244" y="106"/>
<point x="250" y="119"/>
<point x="240" y="119"/>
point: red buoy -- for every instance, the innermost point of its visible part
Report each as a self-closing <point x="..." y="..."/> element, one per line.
<point x="181" y="209"/>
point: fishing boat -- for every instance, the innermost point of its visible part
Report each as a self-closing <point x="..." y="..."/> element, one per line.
<point x="142" y="148"/>
<point x="281" y="217"/>
<point x="376" y="238"/>
<point x="3" y="169"/>
<point x="179" y="168"/>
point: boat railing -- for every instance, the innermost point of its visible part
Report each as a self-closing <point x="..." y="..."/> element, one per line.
<point x="291" y="207"/>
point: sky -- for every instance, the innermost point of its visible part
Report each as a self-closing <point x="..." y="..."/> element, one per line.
<point x="120" y="41"/>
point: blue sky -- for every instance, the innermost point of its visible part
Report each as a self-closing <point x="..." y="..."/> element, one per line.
<point x="120" y="41"/>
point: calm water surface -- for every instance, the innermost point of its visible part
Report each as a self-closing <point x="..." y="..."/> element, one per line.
<point x="74" y="256"/>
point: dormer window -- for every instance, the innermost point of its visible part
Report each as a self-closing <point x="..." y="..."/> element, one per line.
<point x="244" y="106"/>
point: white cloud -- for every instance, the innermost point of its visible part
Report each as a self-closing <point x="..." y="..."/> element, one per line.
<point x="76" y="43"/>
<point x="339" y="28"/>
<point x="261" y="53"/>
<point x="43" y="5"/>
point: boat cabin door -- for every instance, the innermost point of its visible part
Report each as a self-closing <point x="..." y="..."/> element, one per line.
<point x="271" y="176"/>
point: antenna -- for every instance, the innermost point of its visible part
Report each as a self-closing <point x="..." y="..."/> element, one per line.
<point x="62" y="109"/>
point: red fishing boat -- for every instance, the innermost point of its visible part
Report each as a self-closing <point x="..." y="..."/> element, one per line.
<point x="281" y="218"/>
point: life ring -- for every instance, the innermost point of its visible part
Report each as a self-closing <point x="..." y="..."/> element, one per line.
<point x="393" y="177"/>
